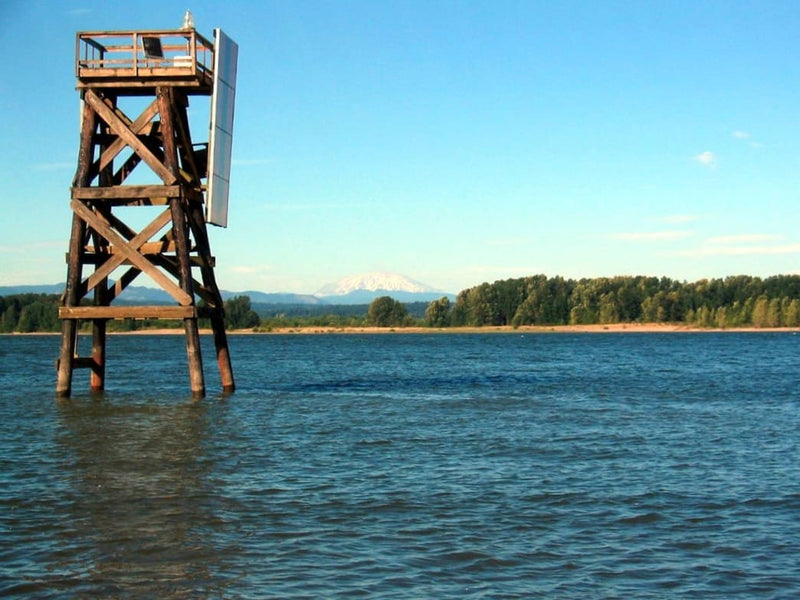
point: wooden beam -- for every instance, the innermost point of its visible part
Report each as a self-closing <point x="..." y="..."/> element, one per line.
<point x="123" y="282"/>
<point x="149" y="248"/>
<point x="84" y="362"/>
<point x="101" y="225"/>
<point x="126" y="192"/>
<point x="119" y="255"/>
<point x="141" y="123"/>
<point x="185" y="139"/>
<point x="119" y="127"/>
<point x="127" y="312"/>
<point x="69" y="330"/>
<point x="98" y="259"/>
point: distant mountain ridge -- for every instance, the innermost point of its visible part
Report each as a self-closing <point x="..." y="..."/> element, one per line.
<point x="135" y="293"/>
<point x="355" y="289"/>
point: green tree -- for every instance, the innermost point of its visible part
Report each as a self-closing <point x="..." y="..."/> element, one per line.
<point x="791" y="313"/>
<point x="8" y="322"/>
<point x="38" y="316"/>
<point x="774" y="313"/>
<point x="608" y="308"/>
<point x="438" y="313"/>
<point x="385" y="311"/>
<point x="760" y="315"/>
<point x="239" y="315"/>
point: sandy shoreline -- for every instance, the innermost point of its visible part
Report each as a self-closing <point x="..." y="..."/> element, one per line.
<point x="613" y="328"/>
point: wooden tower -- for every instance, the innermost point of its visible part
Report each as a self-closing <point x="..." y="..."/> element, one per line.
<point x="144" y="190"/>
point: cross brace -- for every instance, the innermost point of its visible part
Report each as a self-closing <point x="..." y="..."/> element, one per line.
<point x="165" y="249"/>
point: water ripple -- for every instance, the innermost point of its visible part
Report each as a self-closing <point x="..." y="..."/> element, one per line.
<point x="409" y="466"/>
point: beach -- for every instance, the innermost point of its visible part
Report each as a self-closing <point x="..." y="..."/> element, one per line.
<point x="507" y="329"/>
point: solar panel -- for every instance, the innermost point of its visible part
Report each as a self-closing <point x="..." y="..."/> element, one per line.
<point x="152" y="47"/>
<point x="220" y="144"/>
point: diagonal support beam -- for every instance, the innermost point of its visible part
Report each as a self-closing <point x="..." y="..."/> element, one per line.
<point x="135" y="243"/>
<point x="119" y="286"/>
<point x="141" y="123"/>
<point x="119" y="127"/>
<point x="100" y="224"/>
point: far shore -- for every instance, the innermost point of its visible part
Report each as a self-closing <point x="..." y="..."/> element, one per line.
<point x="611" y="328"/>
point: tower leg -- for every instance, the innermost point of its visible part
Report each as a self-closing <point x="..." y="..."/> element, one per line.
<point x="195" y="358"/>
<point x="69" y="327"/>
<point x="198" y="226"/>
<point x="98" y="377"/>
<point x="180" y="230"/>
<point x="64" y="382"/>
<point x="223" y="355"/>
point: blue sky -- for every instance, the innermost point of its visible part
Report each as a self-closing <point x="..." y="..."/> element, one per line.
<point x="452" y="142"/>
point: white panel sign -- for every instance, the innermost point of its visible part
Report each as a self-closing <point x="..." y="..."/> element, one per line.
<point x="220" y="143"/>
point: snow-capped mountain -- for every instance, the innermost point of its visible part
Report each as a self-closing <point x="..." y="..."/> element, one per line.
<point x="365" y="287"/>
<point x="373" y="282"/>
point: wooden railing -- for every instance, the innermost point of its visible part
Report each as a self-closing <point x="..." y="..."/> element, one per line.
<point x="135" y="54"/>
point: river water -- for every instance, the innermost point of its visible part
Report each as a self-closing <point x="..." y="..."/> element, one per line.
<point x="407" y="466"/>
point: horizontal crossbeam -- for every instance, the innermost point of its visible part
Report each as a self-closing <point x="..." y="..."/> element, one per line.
<point x="127" y="192"/>
<point x="128" y="312"/>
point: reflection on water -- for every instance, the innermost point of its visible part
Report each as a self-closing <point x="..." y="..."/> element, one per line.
<point x="142" y="500"/>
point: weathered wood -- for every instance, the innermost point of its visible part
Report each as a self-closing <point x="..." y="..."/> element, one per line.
<point x="185" y="139"/>
<point x="120" y="284"/>
<point x="97" y="379"/>
<point x="150" y="250"/>
<point x="223" y="353"/>
<point x="131" y="139"/>
<point x="69" y="330"/>
<point x="83" y="362"/>
<point x="159" y="247"/>
<point x="181" y="233"/>
<point x="126" y="192"/>
<point x="198" y="225"/>
<point x="119" y="256"/>
<point x="127" y="312"/>
<point x="159" y="136"/>
<point x="98" y="374"/>
<point x="99" y="223"/>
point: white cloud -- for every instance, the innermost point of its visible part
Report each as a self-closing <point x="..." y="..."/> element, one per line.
<point x="250" y="269"/>
<point x="707" y="158"/>
<point x="741" y="245"/>
<point x="748" y="250"/>
<point x="747" y="238"/>
<point x="650" y="236"/>
<point x="745" y="136"/>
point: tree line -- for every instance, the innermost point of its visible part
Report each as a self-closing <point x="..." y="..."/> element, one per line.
<point x="29" y="313"/>
<point x="738" y="301"/>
